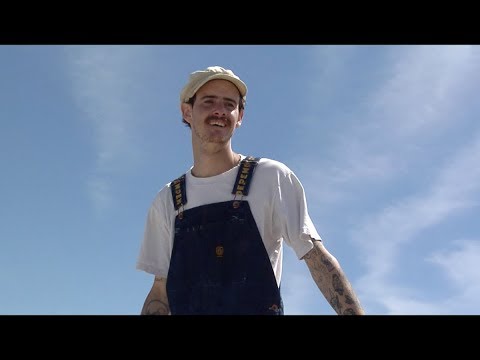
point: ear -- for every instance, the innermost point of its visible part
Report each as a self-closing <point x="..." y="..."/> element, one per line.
<point x="240" y="118"/>
<point x="186" y="112"/>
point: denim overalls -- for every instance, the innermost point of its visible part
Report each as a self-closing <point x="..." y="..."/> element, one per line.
<point x="219" y="265"/>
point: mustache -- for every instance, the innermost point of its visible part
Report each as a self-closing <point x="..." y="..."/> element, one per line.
<point x="213" y="117"/>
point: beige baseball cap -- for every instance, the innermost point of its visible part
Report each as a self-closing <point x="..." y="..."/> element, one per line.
<point x="199" y="78"/>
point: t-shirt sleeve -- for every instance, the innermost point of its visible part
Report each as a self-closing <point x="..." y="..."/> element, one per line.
<point x="156" y="247"/>
<point x="291" y="210"/>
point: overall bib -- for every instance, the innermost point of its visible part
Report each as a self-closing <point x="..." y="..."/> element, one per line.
<point x="219" y="265"/>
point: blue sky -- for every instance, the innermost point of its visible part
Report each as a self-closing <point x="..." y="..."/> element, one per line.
<point x="385" y="139"/>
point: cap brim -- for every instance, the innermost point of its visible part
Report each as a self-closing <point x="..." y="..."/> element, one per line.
<point x="241" y="86"/>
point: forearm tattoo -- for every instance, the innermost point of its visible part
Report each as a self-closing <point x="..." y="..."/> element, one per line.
<point x="328" y="264"/>
<point x="155" y="307"/>
<point x="332" y="282"/>
<point x="335" y="302"/>
<point x="156" y="302"/>
<point x="337" y="284"/>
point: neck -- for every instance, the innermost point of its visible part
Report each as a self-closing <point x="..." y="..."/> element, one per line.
<point x="211" y="163"/>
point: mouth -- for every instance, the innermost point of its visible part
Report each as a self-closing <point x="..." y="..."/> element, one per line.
<point x="217" y="123"/>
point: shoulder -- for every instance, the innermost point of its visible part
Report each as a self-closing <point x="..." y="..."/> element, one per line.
<point x="277" y="172"/>
<point x="273" y="167"/>
<point x="164" y="196"/>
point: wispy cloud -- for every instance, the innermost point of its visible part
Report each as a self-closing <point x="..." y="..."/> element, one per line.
<point x="460" y="265"/>
<point x="99" y="190"/>
<point x="418" y="97"/>
<point x="416" y="102"/>
<point x="381" y="136"/>
<point x="454" y="189"/>
<point x="104" y="86"/>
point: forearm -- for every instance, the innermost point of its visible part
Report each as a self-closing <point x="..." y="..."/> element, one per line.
<point x="154" y="306"/>
<point x="332" y="281"/>
<point x="156" y="302"/>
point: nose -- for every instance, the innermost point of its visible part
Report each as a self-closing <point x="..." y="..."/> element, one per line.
<point x="220" y="109"/>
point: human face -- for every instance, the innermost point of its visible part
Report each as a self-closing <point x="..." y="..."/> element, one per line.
<point x="215" y="113"/>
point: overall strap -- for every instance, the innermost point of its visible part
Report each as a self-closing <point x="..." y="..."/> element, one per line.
<point x="244" y="176"/>
<point x="179" y="193"/>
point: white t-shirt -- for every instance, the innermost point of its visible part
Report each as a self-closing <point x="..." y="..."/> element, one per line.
<point x="277" y="201"/>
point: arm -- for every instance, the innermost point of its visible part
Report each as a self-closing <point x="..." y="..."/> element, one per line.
<point x="156" y="302"/>
<point x="332" y="281"/>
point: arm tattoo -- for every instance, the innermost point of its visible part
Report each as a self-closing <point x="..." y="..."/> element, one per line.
<point x="155" y="307"/>
<point x="337" y="284"/>
<point x="314" y="265"/>
<point x="337" y="289"/>
<point x="327" y="263"/>
<point x="335" y="302"/>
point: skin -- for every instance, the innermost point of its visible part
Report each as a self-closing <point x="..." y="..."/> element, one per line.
<point x="332" y="281"/>
<point x="156" y="302"/>
<point x="217" y="103"/>
<point x="212" y="148"/>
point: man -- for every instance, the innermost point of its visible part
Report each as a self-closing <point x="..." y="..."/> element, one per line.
<point x="214" y="236"/>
